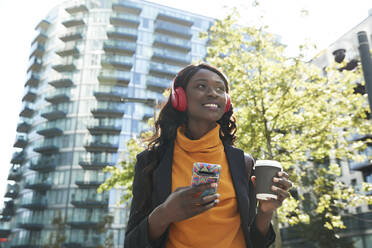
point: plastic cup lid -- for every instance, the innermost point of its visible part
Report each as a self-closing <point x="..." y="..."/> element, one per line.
<point x="268" y="163"/>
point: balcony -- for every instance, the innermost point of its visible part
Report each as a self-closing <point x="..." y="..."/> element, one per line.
<point x="53" y="113"/>
<point x="30" y="95"/>
<point x="119" y="47"/>
<point x="164" y="70"/>
<point x="9" y="208"/>
<point x="58" y="96"/>
<point x="173" y="29"/>
<point x="175" y="19"/>
<point x="98" y="146"/>
<point x="165" y="56"/>
<point x="44" y="164"/>
<point x="21" y="141"/>
<point x="41" y="38"/>
<point x="24" y="126"/>
<point x="15" y="173"/>
<point x="32" y="80"/>
<point x="361" y="166"/>
<point x="31" y="225"/>
<point x="95" y="164"/>
<point x="18" y="158"/>
<point x="157" y="84"/>
<point x="37" y="50"/>
<point x="111" y="96"/>
<point x="49" y="131"/>
<point x="97" y="201"/>
<point x="122" y="33"/>
<point x="46" y="148"/>
<point x="38" y="203"/>
<point x="69" y="51"/>
<point x="74" y="22"/>
<point x="27" y="110"/>
<point x="104" y="129"/>
<point x="81" y="7"/>
<point x="5" y="228"/>
<point x="62" y="83"/>
<point x="147" y="116"/>
<point x="43" y="25"/>
<point x="126" y="7"/>
<point x="88" y="184"/>
<point x="117" y="62"/>
<point x="171" y="42"/>
<point x="83" y="224"/>
<point x="65" y="66"/>
<point x="107" y="111"/>
<point x="125" y="20"/>
<point x="35" y="65"/>
<point x="38" y="184"/>
<point x="114" y="77"/>
<point x="73" y="35"/>
<point x="12" y="191"/>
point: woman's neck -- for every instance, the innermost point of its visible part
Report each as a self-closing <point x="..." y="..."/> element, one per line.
<point x="196" y="130"/>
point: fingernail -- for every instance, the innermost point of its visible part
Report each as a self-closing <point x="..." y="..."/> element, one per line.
<point x="216" y="201"/>
<point x="273" y="188"/>
<point x="275" y="180"/>
<point x="214" y="185"/>
<point x="280" y="173"/>
<point x="218" y="195"/>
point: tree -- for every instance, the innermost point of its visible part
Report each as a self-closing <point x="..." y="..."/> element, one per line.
<point x="57" y="238"/>
<point x="287" y="111"/>
<point x="104" y="227"/>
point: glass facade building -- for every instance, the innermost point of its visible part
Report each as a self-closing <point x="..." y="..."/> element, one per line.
<point x="96" y="71"/>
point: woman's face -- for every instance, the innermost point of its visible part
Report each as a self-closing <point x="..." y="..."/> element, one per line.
<point x="206" y="96"/>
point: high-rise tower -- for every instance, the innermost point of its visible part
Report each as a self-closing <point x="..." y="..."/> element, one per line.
<point x="96" y="71"/>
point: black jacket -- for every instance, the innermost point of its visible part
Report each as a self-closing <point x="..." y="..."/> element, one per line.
<point x="136" y="235"/>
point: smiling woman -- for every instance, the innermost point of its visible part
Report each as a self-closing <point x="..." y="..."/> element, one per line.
<point x="196" y="126"/>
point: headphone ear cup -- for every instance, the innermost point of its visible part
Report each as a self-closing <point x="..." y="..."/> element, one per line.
<point x="228" y="103"/>
<point x="180" y="98"/>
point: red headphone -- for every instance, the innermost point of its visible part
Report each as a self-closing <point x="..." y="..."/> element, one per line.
<point x="179" y="99"/>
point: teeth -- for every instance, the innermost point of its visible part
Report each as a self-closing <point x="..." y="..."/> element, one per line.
<point x="211" y="105"/>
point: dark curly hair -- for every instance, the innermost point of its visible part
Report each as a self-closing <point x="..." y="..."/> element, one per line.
<point x="170" y="119"/>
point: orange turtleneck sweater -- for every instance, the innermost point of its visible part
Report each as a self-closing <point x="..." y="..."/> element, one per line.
<point x="218" y="227"/>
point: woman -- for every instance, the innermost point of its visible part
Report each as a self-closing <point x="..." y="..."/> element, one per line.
<point x="196" y="125"/>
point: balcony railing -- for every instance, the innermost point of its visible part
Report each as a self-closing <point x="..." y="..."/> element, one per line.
<point x="184" y="21"/>
<point x="124" y="20"/>
<point x="99" y="146"/>
<point x="114" y="77"/>
<point x="15" y="173"/>
<point x="81" y="6"/>
<point x="171" y="57"/>
<point x="73" y="35"/>
<point x="107" y="111"/>
<point x="164" y="70"/>
<point x="27" y="110"/>
<point x="157" y="84"/>
<point x="171" y="42"/>
<point x="32" y="79"/>
<point x="122" y="33"/>
<point x="75" y="21"/>
<point x="35" y="64"/>
<point x="36" y="203"/>
<point x="21" y="141"/>
<point x="46" y="148"/>
<point x="44" y="164"/>
<point x="119" y="47"/>
<point x="120" y="6"/>
<point x="38" y="184"/>
<point x="12" y="191"/>
<point x="37" y="50"/>
<point x="24" y="126"/>
<point x="104" y="129"/>
<point x="40" y="38"/>
<point x="62" y="82"/>
<point x="30" y="95"/>
<point x="84" y="184"/>
<point x="58" y="96"/>
<point x="97" y="201"/>
<point x="52" y="113"/>
<point x="18" y="158"/>
<point x="65" y="66"/>
<point x="117" y="62"/>
<point x="69" y="50"/>
<point x="95" y="164"/>
<point x="171" y="29"/>
<point x="48" y="130"/>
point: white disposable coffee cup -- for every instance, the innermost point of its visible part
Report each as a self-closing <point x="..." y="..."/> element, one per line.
<point x="265" y="170"/>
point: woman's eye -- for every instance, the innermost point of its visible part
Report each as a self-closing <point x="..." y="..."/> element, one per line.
<point x="201" y="86"/>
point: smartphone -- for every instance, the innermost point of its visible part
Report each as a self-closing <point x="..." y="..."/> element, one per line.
<point x="206" y="173"/>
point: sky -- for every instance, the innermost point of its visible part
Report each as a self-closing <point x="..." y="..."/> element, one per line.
<point x="296" y="21"/>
